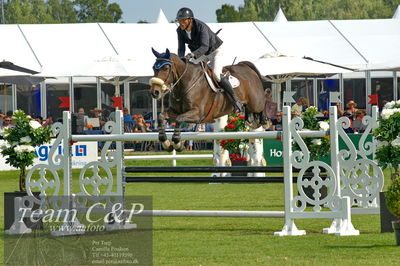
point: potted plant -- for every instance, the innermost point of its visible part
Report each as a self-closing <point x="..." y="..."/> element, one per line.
<point x="387" y="135"/>
<point x="236" y="147"/>
<point x="20" y="142"/>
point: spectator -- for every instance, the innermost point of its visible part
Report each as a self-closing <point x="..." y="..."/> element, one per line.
<point x="350" y="128"/>
<point x="270" y="107"/>
<point x="277" y="122"/>
<point x="300" y="106"/>
<point x="7" y="123"/>
<point x="48" y="121"/>
<point x="81" y="121"/>
<point x="127" y="116"/>
<point x="97" y="113"/>
<point x="39" y="119"/>
<point x="141" y="126"/>
<point x="358" y="126"/>
<point x="351" y="108"/>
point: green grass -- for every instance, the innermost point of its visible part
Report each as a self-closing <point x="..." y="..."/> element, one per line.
<point x="243" y="241"/>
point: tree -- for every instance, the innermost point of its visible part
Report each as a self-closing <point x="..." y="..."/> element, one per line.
<point x="61" y="11"/>
<point x="97" y="11"/>
<point x="265" y="10"/>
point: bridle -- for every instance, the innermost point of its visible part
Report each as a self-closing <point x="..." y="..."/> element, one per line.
<point x="166" y="89"/>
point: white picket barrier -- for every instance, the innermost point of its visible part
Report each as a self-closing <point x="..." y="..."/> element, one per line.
<point x="340" y="181"/>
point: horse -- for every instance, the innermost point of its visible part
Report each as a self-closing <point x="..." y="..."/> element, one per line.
<point x="192" y="100"/>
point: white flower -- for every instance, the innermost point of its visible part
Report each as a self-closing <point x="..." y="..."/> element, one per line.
<point x="241" y="146"/>
<point x="29" y="117"/>
<point x="396" y="142"/>
<point x="26" y="139"/>
<point x="324" y="125"/>
<point x="316" y="141"/>
<point x="18" y="149"/>
<point x="5" y="146"/>
<point x="398" y="102"/>
<point x="389" y="105"/>
<point x="23" y="148"/>
<point x="34" y="124"/>
<point x="380" y="144"/>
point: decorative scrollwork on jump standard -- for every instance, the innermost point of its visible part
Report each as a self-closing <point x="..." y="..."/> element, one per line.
<point x="361" y="177"/>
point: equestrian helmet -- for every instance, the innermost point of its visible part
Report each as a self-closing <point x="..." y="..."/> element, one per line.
<point x="183" y="13"/>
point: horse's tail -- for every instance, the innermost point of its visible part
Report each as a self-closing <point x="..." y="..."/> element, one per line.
<point x="252" y="66"/>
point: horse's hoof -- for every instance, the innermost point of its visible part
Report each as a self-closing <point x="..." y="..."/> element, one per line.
<point x="162" y="137"/>
<point x="179" y="146"/>
<point x="176" y="139"/>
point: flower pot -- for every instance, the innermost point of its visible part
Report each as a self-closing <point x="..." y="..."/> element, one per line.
<point x="9" y="210"/>
<point x="239" y="163"/>
<point x="386" y="216"/>
<point x="396" y="229"/>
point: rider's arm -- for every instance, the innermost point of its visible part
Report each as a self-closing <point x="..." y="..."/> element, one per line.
<point x="181" y="45"/>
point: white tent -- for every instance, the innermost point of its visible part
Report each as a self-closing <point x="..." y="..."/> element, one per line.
<point x="161" y="18"/>
<point x="280" y="16"/>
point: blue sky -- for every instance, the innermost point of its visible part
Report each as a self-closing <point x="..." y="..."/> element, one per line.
<point x="135" y="10"/>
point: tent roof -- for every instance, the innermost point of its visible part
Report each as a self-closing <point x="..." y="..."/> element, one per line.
<point x="58" y="47"/>
<point x="15" y="48"/>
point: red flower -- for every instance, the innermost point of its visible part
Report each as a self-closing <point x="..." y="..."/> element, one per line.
<point x="231" y="140"/>
<point x="223" y="142"/>
<point x="233" y="120"/>
<point x="230" y="126"/>
<point x="241" y="117"/>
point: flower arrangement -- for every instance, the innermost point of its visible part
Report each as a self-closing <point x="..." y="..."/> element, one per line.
<point x="318" y="147"/>
<point x="387" y="135"/>
<point x="20" y="141"/>
<point x="235" y="147"/>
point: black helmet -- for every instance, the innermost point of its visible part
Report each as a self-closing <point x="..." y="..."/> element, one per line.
<point x="183" y="13"/>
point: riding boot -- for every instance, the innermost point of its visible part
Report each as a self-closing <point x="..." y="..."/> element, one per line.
<point x="226" y="85"/>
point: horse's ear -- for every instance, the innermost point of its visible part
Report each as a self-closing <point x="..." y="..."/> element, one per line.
<point x="167" y="53"/>
<point x="157" y="54"/>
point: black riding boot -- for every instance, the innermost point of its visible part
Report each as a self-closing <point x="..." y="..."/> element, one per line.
<point x="226" y="85"/>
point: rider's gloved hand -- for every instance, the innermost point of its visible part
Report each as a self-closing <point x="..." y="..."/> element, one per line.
<point x="189" y="56"/>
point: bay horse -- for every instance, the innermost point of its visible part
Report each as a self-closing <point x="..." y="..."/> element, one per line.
<point x="192" y="100"/>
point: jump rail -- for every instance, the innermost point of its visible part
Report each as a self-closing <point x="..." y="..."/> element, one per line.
<point x="345" y="179"/>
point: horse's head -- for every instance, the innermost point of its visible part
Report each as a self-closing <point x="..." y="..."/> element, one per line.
<point x="163" y="74"/>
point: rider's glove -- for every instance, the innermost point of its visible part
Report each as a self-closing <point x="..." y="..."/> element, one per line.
<point x="189" y="55"/>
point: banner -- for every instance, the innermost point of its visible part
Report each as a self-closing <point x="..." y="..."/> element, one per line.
<point x="82" y="154"/>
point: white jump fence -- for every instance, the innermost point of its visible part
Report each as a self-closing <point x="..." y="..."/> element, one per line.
<point x="353" y="181"/>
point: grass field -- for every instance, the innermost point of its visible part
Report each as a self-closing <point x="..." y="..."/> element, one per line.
<point x="244" y="241"/>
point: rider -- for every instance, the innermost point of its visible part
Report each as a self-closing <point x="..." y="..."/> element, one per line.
<point x="202" y="41"/>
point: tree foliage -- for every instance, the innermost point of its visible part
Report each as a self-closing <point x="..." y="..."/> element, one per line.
<point x="266" y="10"/>
<point x="61" y="11"/>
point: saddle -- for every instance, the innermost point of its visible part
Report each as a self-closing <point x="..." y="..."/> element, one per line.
<point x="211" y="77"/>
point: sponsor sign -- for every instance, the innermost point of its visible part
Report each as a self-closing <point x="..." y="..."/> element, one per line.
<point x="82" y="154"/>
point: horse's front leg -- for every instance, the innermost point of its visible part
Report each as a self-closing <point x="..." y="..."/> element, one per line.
<point x="176" y="139"/>
<point x="162" y="136"/>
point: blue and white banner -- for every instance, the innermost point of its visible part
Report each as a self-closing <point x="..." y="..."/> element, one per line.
<point x="82" y="154"/>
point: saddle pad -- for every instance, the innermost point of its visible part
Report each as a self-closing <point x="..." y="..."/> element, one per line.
<point x="232" y="80"/>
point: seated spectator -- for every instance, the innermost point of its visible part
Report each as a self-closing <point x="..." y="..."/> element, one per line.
<point x="351" y="108"/>
<point x="277" y="122"/>
<point x="7" y="123"/>
<point x="140" y="126"/>
<point x="81" y="121"/>
<point x="358" y="126"/>
<point x="350" y="128"/>
<point x="97" y="113"/>
<point x="47" y="122"/>
<point x="127" y="116"/>
<point x="300" y="106"/>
